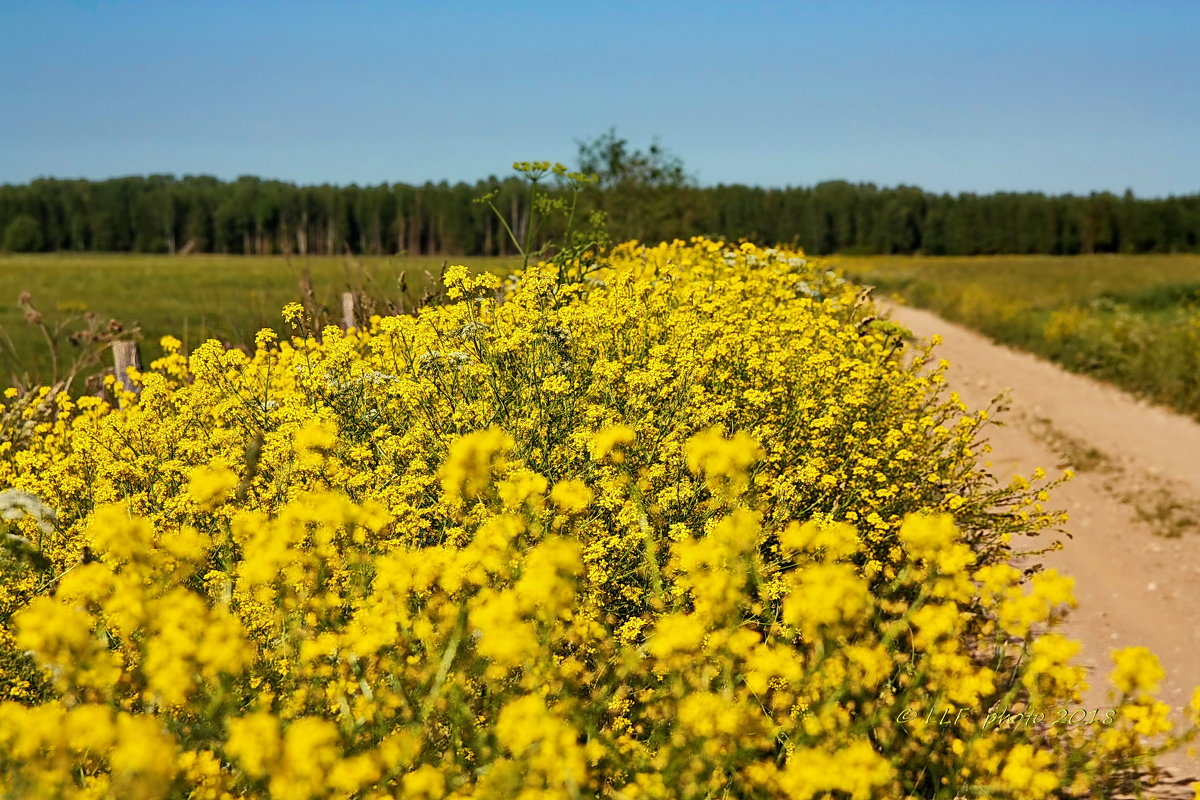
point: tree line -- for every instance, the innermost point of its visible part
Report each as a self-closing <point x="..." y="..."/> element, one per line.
<point x="644" y="195"/>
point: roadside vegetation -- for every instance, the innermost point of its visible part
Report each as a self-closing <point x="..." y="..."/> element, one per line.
<point x="1130" y="320"/>
<point x="674" y="522"/>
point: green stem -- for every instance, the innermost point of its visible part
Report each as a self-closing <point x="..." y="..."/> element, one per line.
<point x="650" y="546"/>
<point x="529" y="222"/>
<point x="447" y="659"/>
<point x="512" y="236"/>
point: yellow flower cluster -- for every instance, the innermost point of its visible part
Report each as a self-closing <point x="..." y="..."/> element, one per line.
<point x="686" y="528"/>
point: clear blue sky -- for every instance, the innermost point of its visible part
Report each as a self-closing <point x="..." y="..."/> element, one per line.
<point x="956" y="96"/>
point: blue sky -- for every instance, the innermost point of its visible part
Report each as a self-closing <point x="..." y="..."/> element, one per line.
<point x="956" y="96"/>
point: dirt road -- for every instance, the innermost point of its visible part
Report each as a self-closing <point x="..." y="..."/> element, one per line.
<point x="1134" y="505"/>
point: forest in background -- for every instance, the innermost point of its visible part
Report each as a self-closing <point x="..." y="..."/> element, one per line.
<point x="645" y="195"/>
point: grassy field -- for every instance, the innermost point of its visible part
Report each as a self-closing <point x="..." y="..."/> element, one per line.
<point x="193" y="298"/>
<point x="1132" y="320"/>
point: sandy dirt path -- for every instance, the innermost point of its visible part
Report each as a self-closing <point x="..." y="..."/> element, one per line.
<point x="1135" y="551"/>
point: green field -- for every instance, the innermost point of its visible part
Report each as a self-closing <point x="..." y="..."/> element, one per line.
<point x="1133" y="320"/>
<point x="191" y="297"/>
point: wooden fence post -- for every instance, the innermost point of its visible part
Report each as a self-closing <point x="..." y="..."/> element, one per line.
<point x="125" y="355"/>
<point x="348" y="310"/>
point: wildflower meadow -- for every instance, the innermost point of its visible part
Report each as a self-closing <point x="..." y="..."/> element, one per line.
<point x="673" y="521"/>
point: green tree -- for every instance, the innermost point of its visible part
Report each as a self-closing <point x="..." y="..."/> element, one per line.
<point x="642" y="192"/>
<point x="609" y="158"/>
<point x="23" y="235"/>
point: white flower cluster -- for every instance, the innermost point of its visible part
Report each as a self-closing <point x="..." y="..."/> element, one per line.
<point x="470" y="330"/>
<point x="339" y="383"/>
<point x="436" y="360"/>
<point x="16" y="504"/>
<point x="831" y="280"/>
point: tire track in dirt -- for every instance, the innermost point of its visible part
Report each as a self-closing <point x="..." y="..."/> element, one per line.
<point x="1134" y="505"/>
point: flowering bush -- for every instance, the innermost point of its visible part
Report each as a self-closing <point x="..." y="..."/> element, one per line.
<point x="686" y="524"/>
